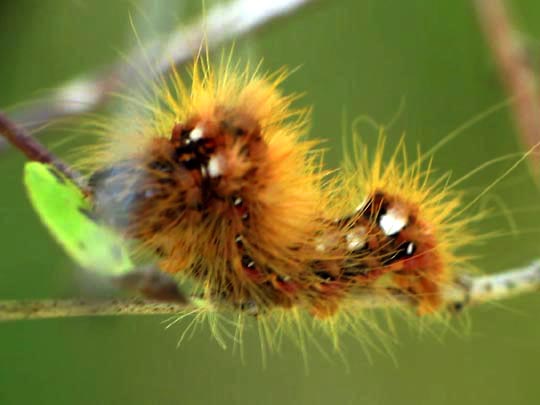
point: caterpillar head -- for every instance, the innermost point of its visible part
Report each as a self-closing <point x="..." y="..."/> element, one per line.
<point x="225" y="147"/>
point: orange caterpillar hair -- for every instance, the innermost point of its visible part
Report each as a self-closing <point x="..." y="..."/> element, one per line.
<point x="414" y="222"/>
<point x="218" y="182"/>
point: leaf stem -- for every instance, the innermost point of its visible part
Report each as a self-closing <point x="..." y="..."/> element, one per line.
<point x="34" y="150"/>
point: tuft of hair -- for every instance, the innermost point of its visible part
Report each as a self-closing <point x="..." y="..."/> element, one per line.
<point x="217" y="181"/>
<point x="413" y="227"/>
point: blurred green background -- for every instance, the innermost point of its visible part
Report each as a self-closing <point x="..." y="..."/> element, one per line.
<point x="357" y="57"/>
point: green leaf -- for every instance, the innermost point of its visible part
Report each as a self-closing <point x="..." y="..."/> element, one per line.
<point x="67" y="213"/>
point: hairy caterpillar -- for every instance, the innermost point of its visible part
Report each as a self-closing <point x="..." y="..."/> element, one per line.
<point x="217" y="182"/>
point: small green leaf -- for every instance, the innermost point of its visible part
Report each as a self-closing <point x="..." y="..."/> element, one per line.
<point x="67" y="213"/>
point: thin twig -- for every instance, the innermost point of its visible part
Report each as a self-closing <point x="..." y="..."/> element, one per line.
<point x="42" y="309"/>
<point x="221" y="24"/>
<point x="33" y="149"/>
<point x="515" y="69"/>
<point x="494" y="287"/>
<point x="467" y="292"/>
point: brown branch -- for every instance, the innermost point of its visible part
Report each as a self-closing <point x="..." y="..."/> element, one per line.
<point x="515" y="70"/>
<point x="33" y="149"/>
<point x="222" y="23"/>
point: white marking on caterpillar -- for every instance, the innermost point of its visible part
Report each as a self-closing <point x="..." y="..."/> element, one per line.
<point x="237" y="201"/>
<point x="356" y="238"/>
<point x="392" y="222"/>
<point x="215" y="166"/>
<point x="196" y="134"/>
<point x="321" y="247"/>
<point x="204" y="172"/>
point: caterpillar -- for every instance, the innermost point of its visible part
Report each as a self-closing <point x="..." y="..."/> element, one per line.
<point x="217" y="182"/>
